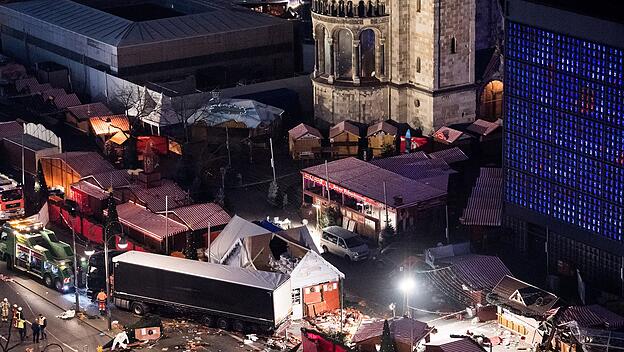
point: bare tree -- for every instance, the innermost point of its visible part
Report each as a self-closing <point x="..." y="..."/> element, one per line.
<point x="137" y="105"/>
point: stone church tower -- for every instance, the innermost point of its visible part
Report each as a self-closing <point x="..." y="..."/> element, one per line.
<point x="409" y="60"/>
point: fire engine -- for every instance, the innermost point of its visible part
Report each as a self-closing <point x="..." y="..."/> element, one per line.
<point x="11" y="198"/>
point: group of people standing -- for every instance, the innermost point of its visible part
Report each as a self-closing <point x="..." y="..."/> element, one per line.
<point x="38" y="325"/>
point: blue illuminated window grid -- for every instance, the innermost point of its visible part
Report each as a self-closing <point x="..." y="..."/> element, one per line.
<point x="564" y="139"/>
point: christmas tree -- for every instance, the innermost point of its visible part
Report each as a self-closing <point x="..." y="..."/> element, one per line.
<point x="190" y="251"/>
<point x="112" y="224"/>
<point x="41" y="188"/>
<point x="387" y="344"/>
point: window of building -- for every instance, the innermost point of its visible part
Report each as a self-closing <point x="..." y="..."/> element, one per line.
<point x="453" y="45"/>
<point x="418" y="64"/>
<point x="367" y="53"/>
<point x="418" y="5"/>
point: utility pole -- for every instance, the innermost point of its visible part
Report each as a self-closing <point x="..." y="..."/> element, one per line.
<point x="166" y="225"/>
<point x="327" y="182"/>
<point x="272" y="158"/>
<point x="209" y="243"/>
<point x="227" y="145"/>
<point x="448" y="241"/>
<point x="385" y="203"/>
<point x="23" y="171"/>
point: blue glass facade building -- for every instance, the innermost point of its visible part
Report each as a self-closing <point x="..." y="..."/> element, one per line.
<point x="564" y="134"/>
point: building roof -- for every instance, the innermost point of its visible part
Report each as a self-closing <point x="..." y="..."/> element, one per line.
<point x="113" y="178"/>
<point x="11" y="128"/>
<point x="402" y="330"/>
<point x="522" y="297"/>
<point x="381" y="126"/>
<point x="31" y="143"/>
<point x="447" y="135"/>
<point x="154" y="197"/>
<point x="483" y="127"/>
<point x="312" y="270"/>
<point x="251" y="113"/>
<point x="53" y="93"/>
<point x="367" y="180"/>
<point x="485" y="204"/>
<point x="450" y="156"/>
<point x="302" y="129"/>
<point x="344" y="126"/>
<point x="417" y="166"/>
<point x="202" y="216"/>
<point x="84" y="163"/>
<point x="90" y="189"/>
<point x="119" y="138"/>
<point x="26" y="83"/>
<point x="85" y="111"/>
<point x="207" y="18"/>
<point x="460" y="345"/>
<point x="592" y="316"/>
<point x="468" y="273"/>
<point x="144" y="221"/>
<point x="66" y="100"/>
<point x="108" y="125"/>
<point x="238" y="228"/>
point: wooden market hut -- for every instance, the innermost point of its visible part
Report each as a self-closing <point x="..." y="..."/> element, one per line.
<point x="344" y="138"/>
<point x="380" y="134"/>
<point x="304" y="142"/>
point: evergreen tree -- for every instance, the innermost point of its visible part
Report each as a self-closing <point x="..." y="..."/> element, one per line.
<point x="386" y="235"/>
<point x="387" y="343"/>
<point x="41" y="189"/>
<point x="273" y="193"/>
<point x="190" y="251"/>
<point x="112" y="218"/>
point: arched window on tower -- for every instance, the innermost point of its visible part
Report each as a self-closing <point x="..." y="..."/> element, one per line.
<point x="492" y="101"/>
<point x="418" y="64"/>
<point x="327" y="54"/>
<point x="367" y="53"/>
<point x="344" y="55"/>
<point x="453" y="45"/>
<point x="418" y="5"/>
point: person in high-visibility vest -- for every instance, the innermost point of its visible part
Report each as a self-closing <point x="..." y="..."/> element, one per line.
<point x="5" y="306"/>
<point x="101" y="298"/>
<point x="21" y="327"/>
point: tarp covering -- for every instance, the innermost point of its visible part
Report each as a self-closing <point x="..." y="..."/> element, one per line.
<point x="253" y="278"/>
<point x="313" y="270"/>
<point x="235" y="230"/>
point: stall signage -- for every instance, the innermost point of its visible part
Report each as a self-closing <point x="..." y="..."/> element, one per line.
<point x="341" y="190"/>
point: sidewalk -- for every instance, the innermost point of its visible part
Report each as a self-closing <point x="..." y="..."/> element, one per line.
<point x="67" y="302"/>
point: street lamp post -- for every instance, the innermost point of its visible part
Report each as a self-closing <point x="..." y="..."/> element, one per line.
<point x="76" y="293"/>
<point x="406" y="285"/>
<point x="122" y="244"/>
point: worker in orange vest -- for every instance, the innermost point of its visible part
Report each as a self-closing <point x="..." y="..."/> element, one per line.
<point x="101" y="298"/>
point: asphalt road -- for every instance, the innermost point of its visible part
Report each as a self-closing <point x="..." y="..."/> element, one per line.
<point x="71" y="334"/>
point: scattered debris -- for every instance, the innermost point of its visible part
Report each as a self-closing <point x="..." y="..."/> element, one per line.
<point x="68" y="314"/>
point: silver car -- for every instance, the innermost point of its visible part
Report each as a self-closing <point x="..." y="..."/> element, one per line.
<point x="344" y="243"/>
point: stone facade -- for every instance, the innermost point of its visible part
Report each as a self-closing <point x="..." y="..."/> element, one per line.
<point x="422" y="56"/>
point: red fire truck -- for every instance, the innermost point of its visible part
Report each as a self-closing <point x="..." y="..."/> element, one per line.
<point x="11" y="198"/>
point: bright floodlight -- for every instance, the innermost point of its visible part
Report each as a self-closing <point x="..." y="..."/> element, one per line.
<point x="407" y="284"/>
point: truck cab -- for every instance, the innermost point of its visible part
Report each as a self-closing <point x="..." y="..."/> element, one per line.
<point x="11" y="198"/>
<point x="27" y="246"/>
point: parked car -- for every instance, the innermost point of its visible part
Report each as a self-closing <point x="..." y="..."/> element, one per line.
<point x="344" y="243"/>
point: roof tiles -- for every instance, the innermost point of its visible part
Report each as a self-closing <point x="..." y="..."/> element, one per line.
<point x="202" y="216"/>
<point x="85" y="111"/>
<point x="302" y="129"/>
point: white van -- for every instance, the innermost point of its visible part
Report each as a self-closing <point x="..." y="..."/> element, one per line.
<point x="344" y="243"/>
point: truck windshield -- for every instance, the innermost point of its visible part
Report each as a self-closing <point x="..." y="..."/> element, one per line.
<point x="11" y="195"/>
<point x="353" y="242"/>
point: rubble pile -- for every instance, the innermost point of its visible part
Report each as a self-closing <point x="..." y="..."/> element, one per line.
<point x="330" y="322"/>
<point x="192" y="335"/>
<point x="284" y="265"/>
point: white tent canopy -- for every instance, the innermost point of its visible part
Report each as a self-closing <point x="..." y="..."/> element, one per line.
<point x="313" y="270"/>
<point x="237" y="229"/>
